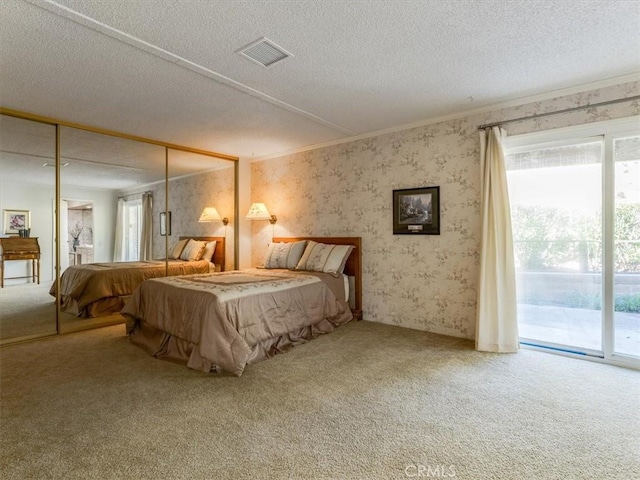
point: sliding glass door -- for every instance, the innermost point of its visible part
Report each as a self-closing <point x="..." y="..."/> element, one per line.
<point x="575" y="207"/>
<point x="626" y="245"/>
<point x="555" y="195"/>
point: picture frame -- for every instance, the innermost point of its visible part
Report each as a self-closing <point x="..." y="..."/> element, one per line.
<point x="16" y="220"/>
<point x="416" y="211"/>
<point x="165" y="223"/>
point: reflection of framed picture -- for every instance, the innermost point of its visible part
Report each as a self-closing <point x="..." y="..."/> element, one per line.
<point x="165" y="223"/>
<point x="15" y="220"/>
<point x="416" y="211"/>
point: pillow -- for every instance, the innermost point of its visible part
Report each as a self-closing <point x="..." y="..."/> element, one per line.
<point x="284" y="255"/>
<point x="324" y="257"/>
<point x="193" y="250"/>
<point x="209" y="250"/>
<point x="177" y="249"/>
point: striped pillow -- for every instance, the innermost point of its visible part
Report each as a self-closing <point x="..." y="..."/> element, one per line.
<point x="177" y="249"/>
<point x="193" y="250"/>
<point x="284" y="255"/>
<point x="324" y="257"/>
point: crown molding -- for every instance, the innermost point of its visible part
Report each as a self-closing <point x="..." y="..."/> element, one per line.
<point x="619" y="80"/>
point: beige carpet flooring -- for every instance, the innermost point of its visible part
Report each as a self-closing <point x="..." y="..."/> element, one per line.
<point x="368" y="401"/>
<point x="25" y="310"/>
<point x="28" y="310"/>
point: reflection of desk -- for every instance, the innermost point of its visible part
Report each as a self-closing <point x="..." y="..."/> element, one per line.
<point x="20" y="248"/>
<point x="85" y="254"/>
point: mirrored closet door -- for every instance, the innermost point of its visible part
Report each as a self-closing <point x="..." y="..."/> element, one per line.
<point x="27" y="202"/>
<point x="106" y="201"/>
<point x="90" y="198"/>
<point x="202" y="200"/>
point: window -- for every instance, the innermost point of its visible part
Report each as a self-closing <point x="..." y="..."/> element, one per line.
<point x="626" y="245"/>
<point x="575" y="207"/>
<point x="133" y="228"/>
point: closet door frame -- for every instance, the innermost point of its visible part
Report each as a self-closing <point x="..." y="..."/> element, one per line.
<point x="57" y="123"/>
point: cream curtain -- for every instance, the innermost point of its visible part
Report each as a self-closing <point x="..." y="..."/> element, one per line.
<point x="497" y="323"/>
<point x="146" y="231"/>
<point x="118" y="244"/>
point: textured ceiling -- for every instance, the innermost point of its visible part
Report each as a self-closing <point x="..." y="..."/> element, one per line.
<point x="168" y="69"/>
<point x="27" y="152"/>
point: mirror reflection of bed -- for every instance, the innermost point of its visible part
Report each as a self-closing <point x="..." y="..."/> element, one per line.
<point x="93" y="294"/>
<point x="96" y="170"/>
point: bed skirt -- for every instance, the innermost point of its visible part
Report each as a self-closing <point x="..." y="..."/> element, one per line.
<point x="99" y="308"/>
<point x="165" y="346"/>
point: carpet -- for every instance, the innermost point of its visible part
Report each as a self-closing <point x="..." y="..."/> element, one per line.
<point x="368" y="401"/>
<point x="26" y="309"/>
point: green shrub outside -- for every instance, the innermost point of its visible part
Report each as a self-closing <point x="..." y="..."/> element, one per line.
<point x="626" y="303"/>
<point x="545" y="237"/>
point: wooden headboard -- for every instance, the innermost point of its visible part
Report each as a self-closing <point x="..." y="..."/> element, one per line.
<point x="353" y="266"/>
<point x="219" y="254"/>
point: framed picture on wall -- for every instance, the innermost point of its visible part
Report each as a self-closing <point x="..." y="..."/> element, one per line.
<point x="16" y="220"/>
<point x="416" y="211"/>
<point x="165" y="223"/>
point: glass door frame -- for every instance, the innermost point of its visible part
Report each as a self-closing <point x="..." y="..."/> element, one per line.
<point x="607" y="132"/>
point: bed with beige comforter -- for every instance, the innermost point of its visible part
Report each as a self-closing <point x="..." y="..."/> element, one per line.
<point x="224" y="321"/>
<point x="96" y="289"/>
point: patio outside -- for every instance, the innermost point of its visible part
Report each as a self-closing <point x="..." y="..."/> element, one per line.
<point x="557" y="217"/>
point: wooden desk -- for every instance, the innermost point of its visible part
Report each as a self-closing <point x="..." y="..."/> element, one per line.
<point x="18" y="248"/>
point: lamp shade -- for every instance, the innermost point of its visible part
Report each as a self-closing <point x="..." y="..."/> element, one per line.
<point x="258" y="211"/>
<point x="210" y="214"/>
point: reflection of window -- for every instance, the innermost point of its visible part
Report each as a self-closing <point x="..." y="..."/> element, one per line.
<point x="133" y="227"/>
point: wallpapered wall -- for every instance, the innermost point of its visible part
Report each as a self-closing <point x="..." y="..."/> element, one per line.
<point x="422" y="282"/>
<point x="188" y="196"/>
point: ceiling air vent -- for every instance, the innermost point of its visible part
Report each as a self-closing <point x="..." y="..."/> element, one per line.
<point x="264" y="52"/>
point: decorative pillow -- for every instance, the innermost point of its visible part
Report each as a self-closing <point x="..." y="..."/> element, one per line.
<point x="324" y="257"/>
<point x="193" y="250"/>
<point x="209" y="250"/>
<point x="177" y="249"/>
<point x="284" y="255"/>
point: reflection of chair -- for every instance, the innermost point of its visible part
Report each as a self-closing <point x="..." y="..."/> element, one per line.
<point x="17" y="248"/>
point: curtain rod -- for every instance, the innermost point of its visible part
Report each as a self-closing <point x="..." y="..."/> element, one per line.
<point x="566" y="110"/>
<point x="134" y="194"/>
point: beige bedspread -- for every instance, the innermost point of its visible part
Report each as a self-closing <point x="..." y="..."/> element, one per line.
<point x="96" y="289"/>
<point x="222" y="321"/>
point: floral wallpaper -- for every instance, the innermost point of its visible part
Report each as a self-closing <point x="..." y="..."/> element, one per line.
<point x="188" y="196"/>
<point x="421" y="282"/>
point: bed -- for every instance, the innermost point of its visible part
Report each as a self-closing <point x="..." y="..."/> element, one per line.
<point x="225" y="321"/>
<point x="99" y="289"/>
